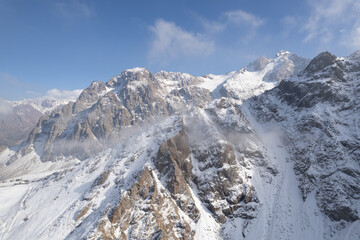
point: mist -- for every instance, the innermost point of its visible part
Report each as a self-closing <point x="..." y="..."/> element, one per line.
<point x="5" y="109"/>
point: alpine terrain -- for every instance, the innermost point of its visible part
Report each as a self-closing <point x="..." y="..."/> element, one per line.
<point x="271" y="151"/>
<point x="18" y="118"/>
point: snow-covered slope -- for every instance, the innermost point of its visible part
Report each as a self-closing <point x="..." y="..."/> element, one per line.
<point x="262" y="74"/>
<point x="173" y="156"/>
<point x="317" y="114"/>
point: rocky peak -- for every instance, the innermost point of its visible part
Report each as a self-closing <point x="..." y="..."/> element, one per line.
<point x="320" y="62"/>
<point x="283" y="53"/>
<point x="95" y="89"/>
<point x="258" y="64"/>
<point x="355" y="55"/>
<point x="137" y="74"/>
<point x="261" y="75"/>
<point x="181" y="79"/>
<point x="131" y="75"/>
<point x="89" y="96"/>
<point x="353" y="62"/>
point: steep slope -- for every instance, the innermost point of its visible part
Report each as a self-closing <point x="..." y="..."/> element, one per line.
<point x="317" y="114"/>
<point x="267" y="152"/>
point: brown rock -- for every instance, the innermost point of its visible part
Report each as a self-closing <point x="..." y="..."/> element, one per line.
<point x="150" y="213"/>
<point x="173" y="163"/>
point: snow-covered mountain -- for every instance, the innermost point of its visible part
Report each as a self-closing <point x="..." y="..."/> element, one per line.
<point x="267" y="152"/>
<point x="52" y="100"/>
<point x="16" y="123"/>
<point x="18" y="118"/>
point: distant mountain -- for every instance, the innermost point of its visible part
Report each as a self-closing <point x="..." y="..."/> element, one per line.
<point x="270" y="151"/>
<point x="21" y="116"/>
<point x="16" y="124"/>
<point x="53" y="99"/>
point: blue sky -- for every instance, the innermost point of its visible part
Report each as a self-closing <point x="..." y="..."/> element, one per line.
<point x="66" y="44"/>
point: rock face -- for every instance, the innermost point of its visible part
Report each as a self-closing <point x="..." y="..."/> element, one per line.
<point x="267" y="152"/>
<point x="140" y="214"/>
<point x="314" y="109"/>
<point x="175" y="167"/>
<point x="83" y="128"/>
<point x="320" y="62"/>
<point x="140" y="94"/>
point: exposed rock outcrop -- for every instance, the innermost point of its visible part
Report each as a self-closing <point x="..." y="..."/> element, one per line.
<point x="314" y="108"/>
<point x="175" y="167"/>
<point x="146" y="211"/>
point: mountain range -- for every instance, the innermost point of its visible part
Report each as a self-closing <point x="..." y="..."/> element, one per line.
<point x="271" y="151"/>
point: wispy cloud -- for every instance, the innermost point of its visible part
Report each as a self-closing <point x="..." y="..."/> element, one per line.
<point x="33" y="93"/>
<point x="72" y="9"/>
<point x="237" y="18"/>
<point x="240" y="17"/>
<point x="334" y="20"/>
<point x="171" y="41"/>
<point x="212" y="27"/>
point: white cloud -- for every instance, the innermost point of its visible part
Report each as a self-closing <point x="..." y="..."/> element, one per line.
<point x="57" y="94"/>
<point x="334" y="20"/>
<point x="171" y="41"/>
